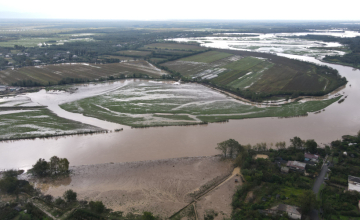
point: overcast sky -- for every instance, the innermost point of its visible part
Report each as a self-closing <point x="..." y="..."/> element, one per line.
<point x="183" y="9"/>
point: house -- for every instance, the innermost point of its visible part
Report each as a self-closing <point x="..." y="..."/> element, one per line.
<point x="292" y="211"/>
<point x="2" y="88"/>
<point x="311" y="157"/>
<point x="296" y="165"/>
<point x="353" y="183"/>
<point x="36" y="61"/>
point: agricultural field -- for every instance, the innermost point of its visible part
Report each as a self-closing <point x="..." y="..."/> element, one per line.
<point x="39" y="41"/>
<point x="37" y="122"/>
<point x="256" y="72"/>
<point x="150" y="103"/>
<point x="135" y="53"/>
<point x="53" y="74"/>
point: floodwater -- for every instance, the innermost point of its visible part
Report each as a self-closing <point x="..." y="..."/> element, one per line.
<point x="188" y="141"/>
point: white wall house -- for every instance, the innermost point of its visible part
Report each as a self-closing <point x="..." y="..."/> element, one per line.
<point x="353" y="183"/>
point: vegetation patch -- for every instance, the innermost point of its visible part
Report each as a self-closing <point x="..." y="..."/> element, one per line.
<point x="146" y="103"/>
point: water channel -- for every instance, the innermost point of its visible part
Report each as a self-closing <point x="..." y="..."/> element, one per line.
<point x="199" y="140"/>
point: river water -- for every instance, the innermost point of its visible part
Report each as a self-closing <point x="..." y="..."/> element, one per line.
<point x="199" y="140"/>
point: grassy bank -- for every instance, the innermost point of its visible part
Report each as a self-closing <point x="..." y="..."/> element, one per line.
<point x="146" y="104"/>
<point x="39" y="123"/>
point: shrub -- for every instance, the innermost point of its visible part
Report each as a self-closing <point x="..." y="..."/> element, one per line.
<point x="70" y="195"/>
<point x="97" y="207"/>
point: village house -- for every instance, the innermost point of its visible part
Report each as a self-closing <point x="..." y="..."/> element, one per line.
<point x="292" y="211"/>
<point x="311" y="157"/>
<point x="353" y="183"/>
<point x="296" y="165"/>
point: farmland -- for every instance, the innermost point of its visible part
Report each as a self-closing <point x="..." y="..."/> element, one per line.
<point x="39" y="122"/>
<point x="53" y="74"/>
<point x="148" y="103"/>
<point x="254" y="73"/>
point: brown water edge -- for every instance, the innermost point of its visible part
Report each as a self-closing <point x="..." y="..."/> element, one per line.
<point x="173" y="142"/>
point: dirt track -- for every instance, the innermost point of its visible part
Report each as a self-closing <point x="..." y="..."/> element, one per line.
<point x="162" y="186"/>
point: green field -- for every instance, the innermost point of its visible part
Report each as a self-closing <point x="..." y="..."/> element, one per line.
<point x="37" y="122"/>
<point x="207" y="57"/>
<point x="52" y="74"/>
<point x="135" y="53"/>
<point x="145" y="103"/>
<point x="257" y="73"/>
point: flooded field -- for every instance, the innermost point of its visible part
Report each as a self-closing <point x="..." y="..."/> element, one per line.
<point x="275" y="43"/>
<point x="199" y="140"/>
<point x="162" y="187"/>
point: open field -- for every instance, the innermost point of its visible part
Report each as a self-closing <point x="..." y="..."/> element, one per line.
<point x="175" y="46"/>
<point x="162" y="187"/>
<point x="207" y="57"/>
<point x="32" y="122"/>
<point x="135" y="53"/>
<point x="256" y="72"/>
<point x="56" y="72"/>
<point x="38" y="41"/>
<point x="147" y="103"/>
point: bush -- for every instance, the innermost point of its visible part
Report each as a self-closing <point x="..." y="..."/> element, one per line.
<point x="97" y="207"/>
<point x="70" y="195"/>
<point x="9" y="184"/>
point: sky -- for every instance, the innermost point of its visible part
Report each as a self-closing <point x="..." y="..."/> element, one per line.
<point x="183" y="9"/>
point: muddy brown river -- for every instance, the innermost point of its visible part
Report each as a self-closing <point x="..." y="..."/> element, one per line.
<point x="200" y="140"/>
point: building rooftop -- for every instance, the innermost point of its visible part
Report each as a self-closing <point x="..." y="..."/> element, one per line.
<point x="354" y="179"/>
<point x="311" y="156"/>
<point x="287" y="208"/>
<point x="296" y="164"/>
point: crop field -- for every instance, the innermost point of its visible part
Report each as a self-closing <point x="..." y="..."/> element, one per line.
<point x="148" y="103"/>
<point x="207" y="57"/>
<point x="38" y="41"/>
<point x="115" y="57"/>
<point x="136" y="53"/>
<point x="31" y="122"/>
<point x="253" y="71"/>
<point x="55" y="73"/>
<point x="175" y="46"/>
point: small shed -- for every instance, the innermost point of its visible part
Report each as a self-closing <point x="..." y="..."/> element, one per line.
<point x="292" y="211"/>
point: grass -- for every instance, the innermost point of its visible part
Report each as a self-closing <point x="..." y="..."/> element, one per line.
<point x="137" y="105"/>
<point x="34" y="41"/>
<point x="238" y="69"/>
<point x="57" y="72"/>
<point x="36" y="123"/>
<point x="136" y="53"/>
<point x="207" y="57"/>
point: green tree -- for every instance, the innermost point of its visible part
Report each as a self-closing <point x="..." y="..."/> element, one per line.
<point x="54" y="165"/>
<point x="230" y="148"/>
<point x="311" y="146"/>
<point x="97" y="207"/>
<point x="297" y="143"/>
<point x="9" y="184"/>
<point x="280" y="145"/>
<point x="63" y="165"/>
<point x="148" y="216"/>
<point x="308" y="202"/>
<point x="70" y="195"/>
<point x="41" y="168"/>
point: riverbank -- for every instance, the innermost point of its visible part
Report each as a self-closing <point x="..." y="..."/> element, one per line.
<point x="160" y="186"/>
